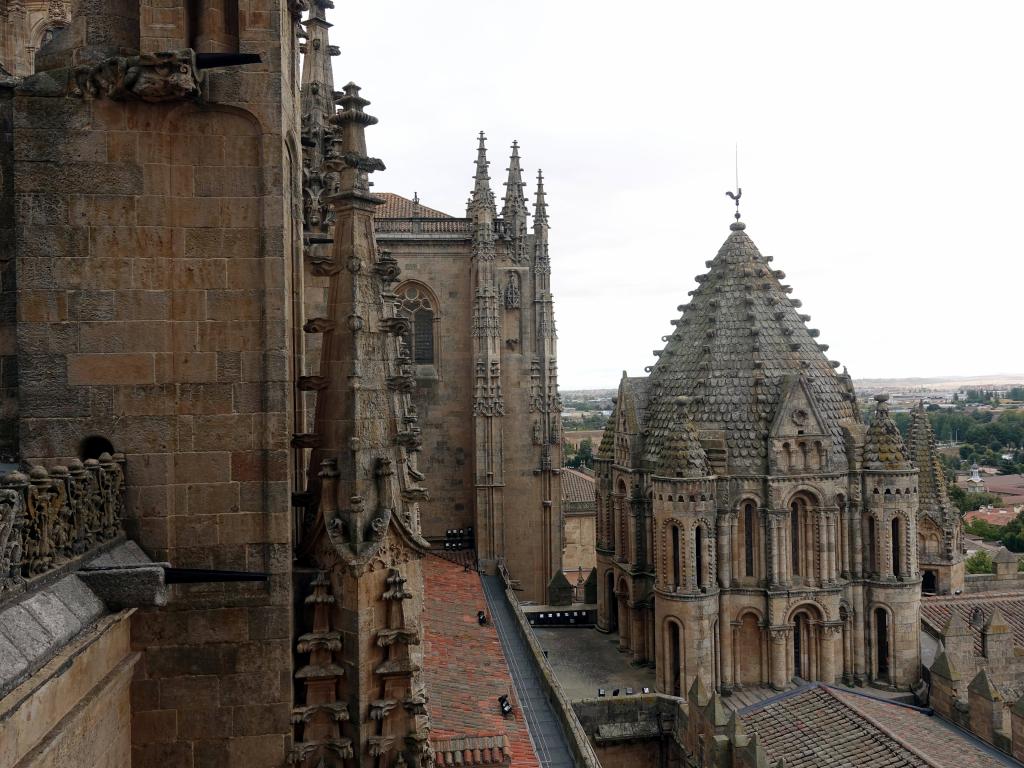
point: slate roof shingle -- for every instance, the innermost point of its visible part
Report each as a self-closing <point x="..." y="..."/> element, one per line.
<point x="736" y="341"/>
<point x="578" y="490"/>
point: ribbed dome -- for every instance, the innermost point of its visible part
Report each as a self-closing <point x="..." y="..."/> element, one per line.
<point x="883" y="446"/>
<point x="736" y="341"/>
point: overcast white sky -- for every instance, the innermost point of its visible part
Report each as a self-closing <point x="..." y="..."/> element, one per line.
<point x="881" y="157"/>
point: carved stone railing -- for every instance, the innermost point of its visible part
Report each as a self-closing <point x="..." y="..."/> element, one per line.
<point x="422" y="225"/>
<point x="49" y="518"/>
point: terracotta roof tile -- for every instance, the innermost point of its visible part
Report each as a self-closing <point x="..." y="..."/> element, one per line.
<point x="398" y="207"/>
<point x="935" y="612"/>
<point x="466" y="670"/>
<point x="815" y="727"/>
<point x="577" y="487"/>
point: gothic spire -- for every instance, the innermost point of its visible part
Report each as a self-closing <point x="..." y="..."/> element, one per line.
<point x="540" y="209"/>
<point x="482" y="199"/>
<point x="317" y="78"/>
<point x="514" y="211"/>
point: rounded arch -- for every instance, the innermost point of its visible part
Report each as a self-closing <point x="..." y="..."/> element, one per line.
<point x="748" y="549"/>
<point x="816" y="611"/>
<point x="674" y="656"/>
<point x="881" y="642"/>
<point x="749" y="610"/>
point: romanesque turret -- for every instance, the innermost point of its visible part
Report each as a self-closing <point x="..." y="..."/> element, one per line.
<point x="771" y="583"/>
<point x="362" y="693"/>
<point x="939" y="525"/>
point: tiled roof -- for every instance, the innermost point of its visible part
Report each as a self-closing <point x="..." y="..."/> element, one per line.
<point x="812" y="728"/>
<point x="940" y="743"/>
<point x="465" y="669"/>
<point x="819" y="727"/>
<point x="577" y="488"/>
<point x="398" y="207"/>
<point x="1010" y="487"/>
<point x="680" y="453"/>
<point x="935" y="612"/>
<point x="470" y="751"/>
<point x="737" y="340"/>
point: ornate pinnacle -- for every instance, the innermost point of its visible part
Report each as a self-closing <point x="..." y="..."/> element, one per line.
<point x="482" y="197"/>
<point x="540" y="211"/>
<point x="515" y="203"/>
<point x="354" y="165"/>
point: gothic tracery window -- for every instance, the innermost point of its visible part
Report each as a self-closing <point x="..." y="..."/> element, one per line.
<point x="512" y="291"/>
<point x="415" y="304"/>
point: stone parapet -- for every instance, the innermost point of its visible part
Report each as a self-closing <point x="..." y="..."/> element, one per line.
<point x="51" y="518"/>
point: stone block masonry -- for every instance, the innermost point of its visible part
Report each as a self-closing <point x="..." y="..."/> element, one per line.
<point x="153" y="248"/>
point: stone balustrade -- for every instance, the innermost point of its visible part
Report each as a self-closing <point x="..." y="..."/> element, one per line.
<point x="51" y="517"/>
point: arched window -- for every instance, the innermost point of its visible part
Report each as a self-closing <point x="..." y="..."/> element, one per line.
<point x="676" y="559"/>
<point x="417" y="305"/>
<point x="794" y="524"/>
<point x="748" y="539"/>
<point x="872" y="547"/>
<point x="897" y="548"/>
<point x="675" y="654"/>
<point x="698" y="535"/>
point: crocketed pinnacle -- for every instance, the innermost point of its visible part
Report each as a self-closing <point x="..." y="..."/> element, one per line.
<point x="514" y="211"/>
<point x="680" y="453"/>
<point x="736" y="344"/>
<point x="482" y="198"/>
<point x="540" y="209"/>
<point x="931" y="482"/>
<point x="883" y="446"/>
<point x="606" y="450"/>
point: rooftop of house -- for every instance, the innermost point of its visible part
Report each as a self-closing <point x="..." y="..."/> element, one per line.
<point x="578" y="490"/>
<point x="816" y="726"/>
<point x="465" y="671"/>
<point x="398" y="207"/>
<point x="975" y="610"/>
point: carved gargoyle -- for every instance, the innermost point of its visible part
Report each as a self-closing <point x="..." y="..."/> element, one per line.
<point x="387" y="267"/>
<point x="397" y="326"/>
<point x="362" y="162"/>
<point x="153" y="77"/>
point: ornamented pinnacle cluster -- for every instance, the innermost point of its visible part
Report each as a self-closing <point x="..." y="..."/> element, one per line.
<point x="883" y="446"/>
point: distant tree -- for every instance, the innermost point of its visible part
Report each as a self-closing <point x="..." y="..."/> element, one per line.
<point x="979" y="562"/>
<point x="985" y="530"/>
<point x="1015" y="393"/>
<point x="584" y="456"/>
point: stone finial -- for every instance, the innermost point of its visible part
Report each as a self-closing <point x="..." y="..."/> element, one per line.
<point x="716" y="712"/>
<point x="559" y="590"/>
<point x="996" y="623"/>
<point x="982" y="686"/>
<point x="482" y="198"/>
<point x="698" y="693"/>
<point x="514" y="211"/>
<point x="540" y="209"/>
<point x="943" y="667"/>
<point x="955" y="625"/>
<point x="736" y="731"/>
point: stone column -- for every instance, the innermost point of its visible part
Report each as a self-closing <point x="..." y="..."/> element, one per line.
<point x="884" y="534"/>
<point x="829" y="635"/>
<point x="844" y="565"/>
<point x="859" y="651"/>
<point x="856" y="530"/>
<point x="725" y="638"/>
<point x="779" y="644"/>
<point x="773" y="561"/>
<point x="725" y="546"/>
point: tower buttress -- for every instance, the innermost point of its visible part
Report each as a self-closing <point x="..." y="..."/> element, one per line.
<point x="488" y="401"/>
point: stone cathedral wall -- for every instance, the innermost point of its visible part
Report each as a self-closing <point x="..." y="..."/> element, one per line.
<point x="154" y="245"/>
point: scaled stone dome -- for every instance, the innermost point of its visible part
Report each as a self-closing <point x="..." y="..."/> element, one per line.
<point x="736" y="340"/>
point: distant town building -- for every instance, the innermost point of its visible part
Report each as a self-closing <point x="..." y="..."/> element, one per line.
<point x="580" y="512"/>
<point x="975" y="483"/>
